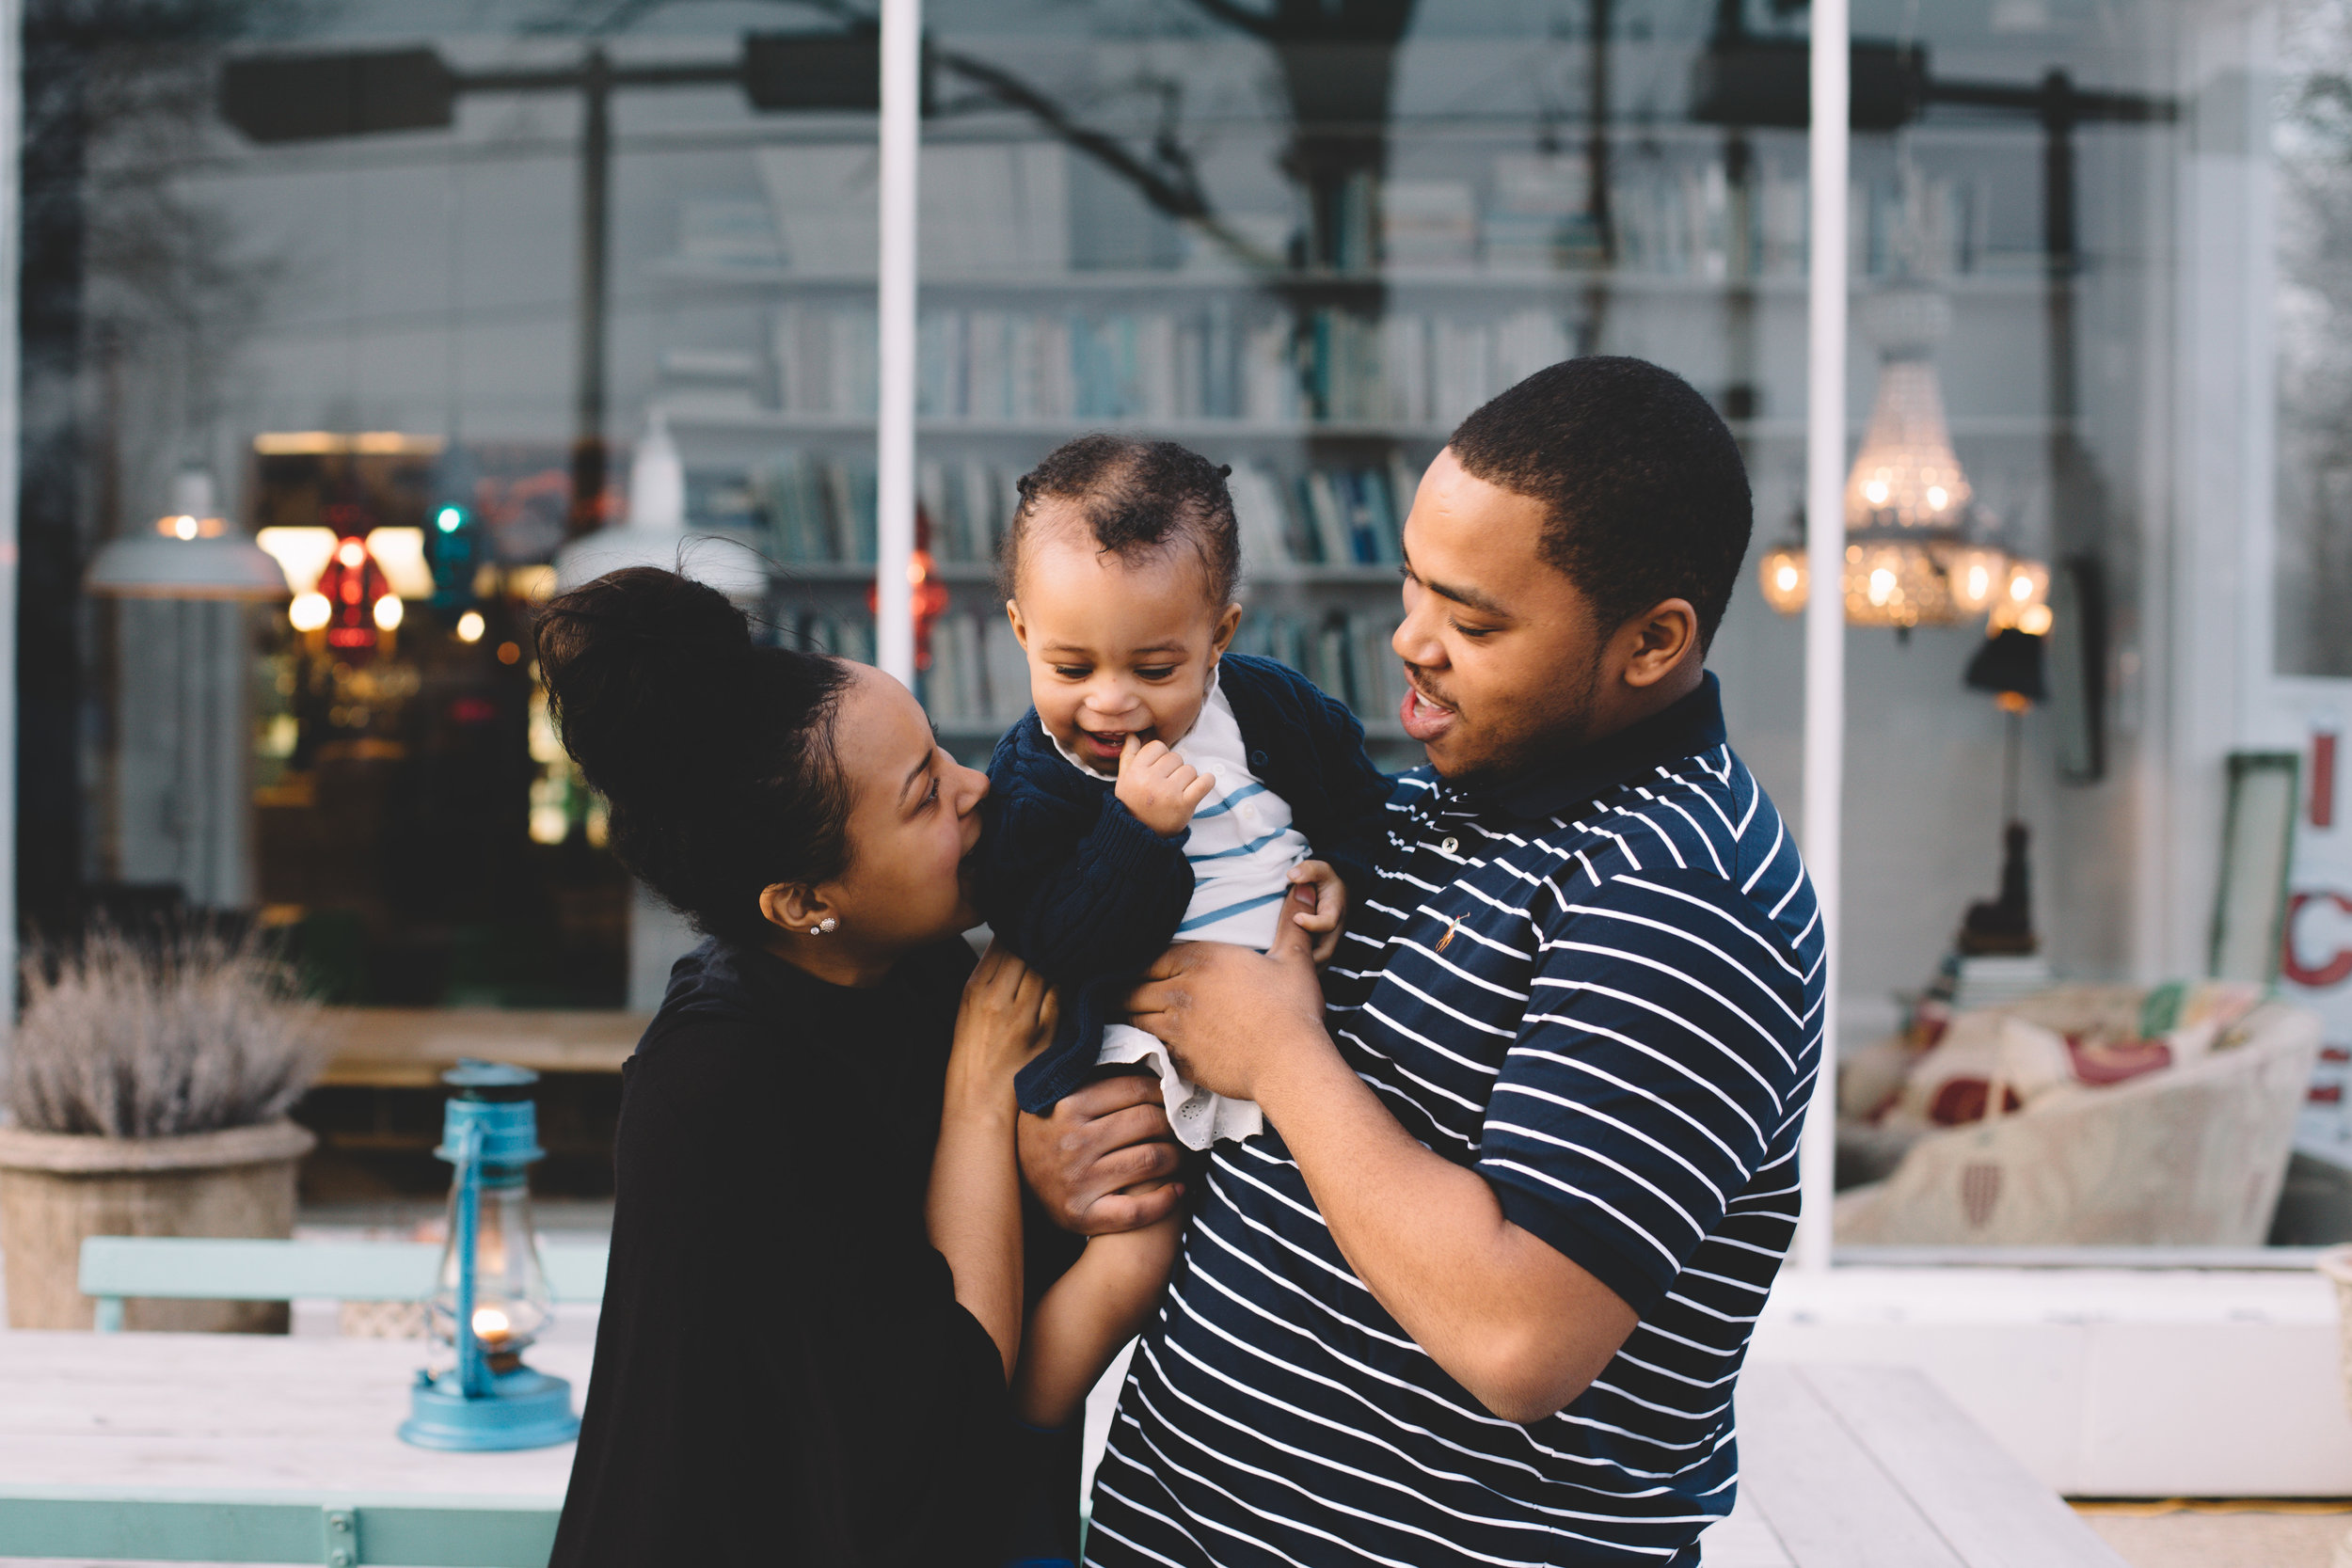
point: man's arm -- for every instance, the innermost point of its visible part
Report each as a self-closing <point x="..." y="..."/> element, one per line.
<point x="1519" y="1326"/>
<point x="1510" y="1318"/>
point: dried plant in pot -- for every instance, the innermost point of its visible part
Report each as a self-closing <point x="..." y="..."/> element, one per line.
<point x="148" y="1086"/>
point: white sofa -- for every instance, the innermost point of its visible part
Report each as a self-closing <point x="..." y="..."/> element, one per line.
<point x="2187" y="1156"/>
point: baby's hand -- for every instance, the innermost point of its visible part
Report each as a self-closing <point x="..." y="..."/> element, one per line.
<point x="1330" y="906"/>
<point x="1159" y="787"/>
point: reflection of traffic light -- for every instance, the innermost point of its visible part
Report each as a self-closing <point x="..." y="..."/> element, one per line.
<point x="452" y="543"/>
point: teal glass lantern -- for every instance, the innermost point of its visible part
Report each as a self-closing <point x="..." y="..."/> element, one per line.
<point x="491" y="1298"/>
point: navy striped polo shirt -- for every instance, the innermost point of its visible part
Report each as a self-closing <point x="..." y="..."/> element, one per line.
<point x="1601" y="988"/>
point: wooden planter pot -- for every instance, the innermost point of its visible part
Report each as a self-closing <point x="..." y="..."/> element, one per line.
<point x="55" y="1188"/>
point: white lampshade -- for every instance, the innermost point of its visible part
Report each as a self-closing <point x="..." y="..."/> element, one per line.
<point x="189" y="554"/>
<point x="654" y="532"/>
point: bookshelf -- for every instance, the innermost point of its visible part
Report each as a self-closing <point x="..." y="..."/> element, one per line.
<point x="1322" y="347"/>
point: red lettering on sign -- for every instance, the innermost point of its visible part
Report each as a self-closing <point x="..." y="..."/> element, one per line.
<point x="2332" y="971"/>
<point x="2323" y="778"/>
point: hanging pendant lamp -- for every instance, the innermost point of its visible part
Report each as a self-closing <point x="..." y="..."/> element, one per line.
<point x="654" y="531"/>
<point x="189" y="553"/>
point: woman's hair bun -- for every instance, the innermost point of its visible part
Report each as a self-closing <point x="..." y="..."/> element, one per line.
<point x="714" y="754"/>
<point x="644" y="668"/>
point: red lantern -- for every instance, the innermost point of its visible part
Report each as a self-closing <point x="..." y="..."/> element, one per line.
<point x="360" y="605"/>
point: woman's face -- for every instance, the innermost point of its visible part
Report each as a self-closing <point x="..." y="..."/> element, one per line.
<point x="913" y="818"/>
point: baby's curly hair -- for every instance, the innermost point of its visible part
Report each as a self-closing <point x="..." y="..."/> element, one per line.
<point x="1141" y="499"/>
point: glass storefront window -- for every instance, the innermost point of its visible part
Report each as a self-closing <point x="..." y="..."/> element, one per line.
<point x="1305" y="239"/>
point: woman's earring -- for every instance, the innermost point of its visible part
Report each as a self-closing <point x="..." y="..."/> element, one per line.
<point x="825" y="927"/>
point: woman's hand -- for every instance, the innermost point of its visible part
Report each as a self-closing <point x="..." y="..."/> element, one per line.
<point x="1006" y="1017"/>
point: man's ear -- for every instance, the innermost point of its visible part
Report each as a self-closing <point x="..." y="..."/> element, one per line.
<point x="1655" y="643"/>
<point x="1227" y="625"/>
<point x="795" y="907"/>
<point x="1020" y="628"/>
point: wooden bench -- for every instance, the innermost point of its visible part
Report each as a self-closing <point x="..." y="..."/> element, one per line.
<point x="117" y="1268"/>
<point x="411" y="1047"/>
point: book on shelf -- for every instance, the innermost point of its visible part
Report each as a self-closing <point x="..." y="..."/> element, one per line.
<point x="1326" y="517"/>
<point x="1344" y="651"/>
<point x="1539" y="214"/>
<point x="968" y="505"/>
<point x="1429" y="223"/>
<point x="1027" y="209"/>
<point x="979" y="675"/>
<point x="710" y="382"/>
<point x="1199" y="362"/>
<point x="818" y="508"/>
<point x="728" y="233"/>
<point x="823" y="631"/>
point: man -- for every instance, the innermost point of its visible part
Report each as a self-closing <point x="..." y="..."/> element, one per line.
<point x="1480" y="1292"/>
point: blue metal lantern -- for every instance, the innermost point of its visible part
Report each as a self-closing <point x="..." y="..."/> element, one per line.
<point x="491" y="1300"/>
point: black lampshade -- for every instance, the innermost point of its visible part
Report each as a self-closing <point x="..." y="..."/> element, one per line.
<point x="2011" y="660"/>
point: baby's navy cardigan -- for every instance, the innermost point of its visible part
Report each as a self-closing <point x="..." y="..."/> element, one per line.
<point x="1080" y="889"/>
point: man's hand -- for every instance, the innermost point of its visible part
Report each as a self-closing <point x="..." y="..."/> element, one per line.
<point x="1228" y="1014"/>
<point x="1103" y="1161"/>
<point x="1331" y="896"/>
<point x="1161" y="788"/>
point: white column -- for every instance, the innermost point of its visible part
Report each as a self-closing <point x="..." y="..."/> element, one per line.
<point x="893" y="433"/>
<point x="1825" y="605"/>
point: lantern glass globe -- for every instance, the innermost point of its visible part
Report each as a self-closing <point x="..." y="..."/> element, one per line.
<point x="511" y="1302"/>
<point x="1785" y="578"/>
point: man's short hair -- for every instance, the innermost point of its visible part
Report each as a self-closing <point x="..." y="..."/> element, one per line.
<point x="1646" y="496"/>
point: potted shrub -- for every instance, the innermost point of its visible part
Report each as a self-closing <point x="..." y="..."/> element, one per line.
<point x="148" y="1082"/>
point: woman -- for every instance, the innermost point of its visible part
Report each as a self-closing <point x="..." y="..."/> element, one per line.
<point x="788" y="1370"/>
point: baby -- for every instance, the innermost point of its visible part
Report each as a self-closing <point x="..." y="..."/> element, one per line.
<point x="1161" y="789"/>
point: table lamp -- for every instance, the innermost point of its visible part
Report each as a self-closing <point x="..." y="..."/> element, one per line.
<point x="491" y="1298"/>
<point x="2009" y="666"/>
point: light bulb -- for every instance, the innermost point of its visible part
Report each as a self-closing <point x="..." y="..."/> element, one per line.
<point x="184" y="528"/>
<point x="351" y="552"/>
<point x="1937" y="496"/>
<point x="388" y="611"/>
<point x="470" y="625"/>
<point x="492" y="1326"/>
<point x="2021" y="588"/>
<point x="310" y="611"/>
<point x="1881" y="585"/>
<point x="449" y="519"/>
<point x="1877" y="491"/>
<point x="2034" y="620"/>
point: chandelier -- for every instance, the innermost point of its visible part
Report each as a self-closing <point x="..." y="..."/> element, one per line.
<point x="1915" y="555"/>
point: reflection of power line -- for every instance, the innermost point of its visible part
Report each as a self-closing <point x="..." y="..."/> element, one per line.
<point x="441" y="316"/>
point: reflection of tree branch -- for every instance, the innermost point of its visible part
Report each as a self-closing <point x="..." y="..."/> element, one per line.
<point x="1174" y="187"/>
<point x="1176" y="192"/>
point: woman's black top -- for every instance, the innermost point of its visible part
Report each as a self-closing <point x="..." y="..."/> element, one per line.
<point x="781" y="1374"/>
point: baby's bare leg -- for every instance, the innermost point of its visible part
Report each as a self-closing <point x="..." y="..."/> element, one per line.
<point x="1101" y="1303"/>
